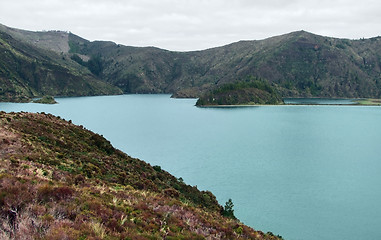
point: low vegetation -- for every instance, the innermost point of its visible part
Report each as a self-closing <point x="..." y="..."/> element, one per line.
<point x="61" y="181"/>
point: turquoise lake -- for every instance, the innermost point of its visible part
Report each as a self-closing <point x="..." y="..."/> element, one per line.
<point x="303" y="172"/>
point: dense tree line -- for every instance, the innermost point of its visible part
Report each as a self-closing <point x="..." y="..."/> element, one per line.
<point x="95" y="63"/>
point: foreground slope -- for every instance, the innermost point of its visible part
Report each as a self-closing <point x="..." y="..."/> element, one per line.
<point x="28" y="71"/>
<point x="61" y="181"/>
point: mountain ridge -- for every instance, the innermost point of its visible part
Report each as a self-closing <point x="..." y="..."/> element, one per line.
<point x="297" y="64"/>
<point x="28" y="71"/>
<point x="56" y="41"/>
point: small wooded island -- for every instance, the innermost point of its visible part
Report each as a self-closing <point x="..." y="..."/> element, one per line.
<point x="46" y="100"/>
<point x="252" y="92"/>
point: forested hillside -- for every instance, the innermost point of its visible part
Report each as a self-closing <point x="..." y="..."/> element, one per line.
<point x="298" y="64"/>
<point x="27" y="71"/>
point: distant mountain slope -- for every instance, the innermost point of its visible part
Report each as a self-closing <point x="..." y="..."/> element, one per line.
<point x="27" y="71"/>
<point x="61" y="181"/>
<point x="133" y="69"/>
<point x="300" y="64"/>
<point x="56" y="41"/>
<point x="297" y="64"/>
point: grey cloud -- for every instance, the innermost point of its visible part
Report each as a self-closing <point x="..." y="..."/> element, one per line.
<point x="196" y="24"/>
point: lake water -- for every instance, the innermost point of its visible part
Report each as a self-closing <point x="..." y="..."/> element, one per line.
<point x="303" y="172"/>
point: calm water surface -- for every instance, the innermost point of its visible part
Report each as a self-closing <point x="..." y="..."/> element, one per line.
<point x="304" y="172"/>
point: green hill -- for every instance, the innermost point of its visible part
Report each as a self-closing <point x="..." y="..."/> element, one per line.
<point x="27" y="71"/>
<point x="61" y="181"/>
<point x="299" y="64"/>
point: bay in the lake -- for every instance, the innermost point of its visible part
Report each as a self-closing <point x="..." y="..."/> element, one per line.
<point x="303" y="172"/>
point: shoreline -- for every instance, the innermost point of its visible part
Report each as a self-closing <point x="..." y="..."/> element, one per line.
<point x="287" y="105"/>
<point x="291" y="104"/>
<point x="355" y="102"/>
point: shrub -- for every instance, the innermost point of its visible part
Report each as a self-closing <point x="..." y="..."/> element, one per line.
<point x="157" y="168"/>
<point x="64" y="192"/>
<point x="44" y="193"/>
<point x="48" y="193"/>
<point x="15" y="194"/>
<point x="62" y="230"/>
<point x="171" y="193"/>
<point x="79" y="179"/>
<point x="228" y="209"/>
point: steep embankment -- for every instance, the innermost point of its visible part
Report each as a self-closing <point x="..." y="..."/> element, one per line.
<point x="61" y="181"/>
<point x="27" y="71"/>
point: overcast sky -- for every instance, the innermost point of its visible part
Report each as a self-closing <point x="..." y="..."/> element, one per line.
<point x="184" y="25"/>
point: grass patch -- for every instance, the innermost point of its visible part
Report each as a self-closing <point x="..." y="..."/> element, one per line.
<point x="369" y="101"/>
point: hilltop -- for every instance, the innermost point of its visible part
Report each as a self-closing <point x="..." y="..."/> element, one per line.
<point x="61" y="181"/>
<point x="28" y="71"/>
<point x="297" y="64"/>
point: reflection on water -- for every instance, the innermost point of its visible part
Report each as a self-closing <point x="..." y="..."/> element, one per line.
<point x="319" y="101"/>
